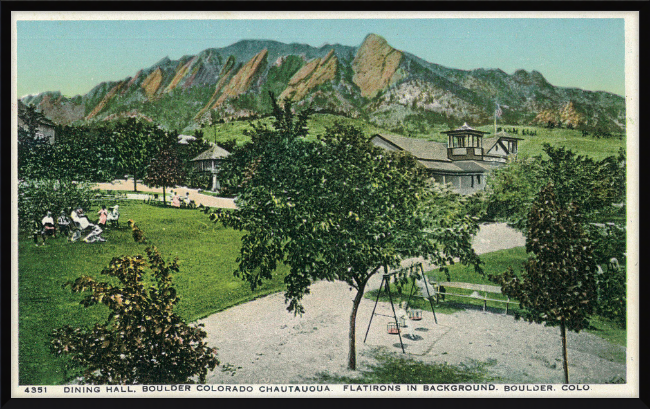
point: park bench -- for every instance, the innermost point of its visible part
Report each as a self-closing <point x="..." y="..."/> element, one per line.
<point x="479" y="292"/>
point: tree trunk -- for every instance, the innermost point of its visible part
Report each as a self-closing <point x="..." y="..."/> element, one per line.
<point x="164" y="197"/>
<point x="135" y="181"/>
<point x="564" y="352"/>
<point x="352" y="355"/>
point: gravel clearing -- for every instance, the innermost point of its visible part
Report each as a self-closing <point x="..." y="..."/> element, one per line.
<point x="261" y="343"/>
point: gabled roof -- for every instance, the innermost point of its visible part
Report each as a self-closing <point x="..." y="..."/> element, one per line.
<point x="421" y="149"/>
<point x="215" y="152"/>
<point x="488" y="143"/>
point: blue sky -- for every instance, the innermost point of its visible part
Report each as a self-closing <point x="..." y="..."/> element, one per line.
<point x="74" y="56"/>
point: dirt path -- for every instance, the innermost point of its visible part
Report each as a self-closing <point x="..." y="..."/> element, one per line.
<point x="260" y="342"/>
<point x="199" y="198"/>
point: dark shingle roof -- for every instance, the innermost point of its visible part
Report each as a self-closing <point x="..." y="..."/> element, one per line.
<point x="421" y="149"/>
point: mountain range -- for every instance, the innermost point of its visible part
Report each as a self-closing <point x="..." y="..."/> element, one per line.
<point x="376" y="82"/>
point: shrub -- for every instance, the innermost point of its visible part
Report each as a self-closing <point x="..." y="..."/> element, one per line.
<point x="142" y="340"/>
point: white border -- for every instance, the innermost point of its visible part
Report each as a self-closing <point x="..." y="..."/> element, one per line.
<point x="630" y="389"/>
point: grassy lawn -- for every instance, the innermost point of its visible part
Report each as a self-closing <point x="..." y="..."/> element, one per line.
<point x="529" y="145"/>
<point x="597" y="149"/>
<point x="205" y="283"/>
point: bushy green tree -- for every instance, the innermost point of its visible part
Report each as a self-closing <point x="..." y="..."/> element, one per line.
<point x="185" y="153"/>
<point x="594" y="186"/>
<point x="511" y="190"/>
<point x="336" y="209"/>
<point x="137" y="143"/>
<point x="558" y="285"/>
<point x="609" y="241"/>
<point x="165" y="170"/>
<point x="86" y="153"/>
<point x="37" y="196"/>
<point x="143" y="341"/>
<point x="31" y="118"/>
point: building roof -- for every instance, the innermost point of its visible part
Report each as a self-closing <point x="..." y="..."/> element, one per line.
<point x="488" y="143"/>
<point x="215" y="152"/>
<point x="185" y="139"/>
<point x="421" y="149"/>
<point x="464" y="129"/>
<point x="460" y="166"/>
<point x="474" y="166"/>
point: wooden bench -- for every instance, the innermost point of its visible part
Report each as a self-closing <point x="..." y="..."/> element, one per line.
<point x="477" y="288"/>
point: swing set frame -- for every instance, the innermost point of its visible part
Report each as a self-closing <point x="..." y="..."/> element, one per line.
<point x="386" y="279"/>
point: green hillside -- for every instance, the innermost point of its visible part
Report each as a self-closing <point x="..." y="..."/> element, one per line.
<point x="529" y="145"/>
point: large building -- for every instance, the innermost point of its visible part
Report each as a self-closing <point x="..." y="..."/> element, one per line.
<point x="464" y="161"/>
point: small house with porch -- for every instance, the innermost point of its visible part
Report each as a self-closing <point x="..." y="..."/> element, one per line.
<point x="464" y="161"/>
<point x="209" y="161"/>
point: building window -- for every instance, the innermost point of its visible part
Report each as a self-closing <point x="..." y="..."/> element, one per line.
<point x="472" y="180"/>
<point x="478" y="179"/>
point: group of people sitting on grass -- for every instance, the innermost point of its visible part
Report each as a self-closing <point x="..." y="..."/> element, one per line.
<point x="77" y="225"/>
<point x="179" y="202"/>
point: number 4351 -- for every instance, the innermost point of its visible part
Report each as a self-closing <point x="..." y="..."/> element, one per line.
<point x="36" y="389"/>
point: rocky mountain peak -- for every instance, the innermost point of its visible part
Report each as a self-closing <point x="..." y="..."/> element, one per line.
<point x="375" y="65"/>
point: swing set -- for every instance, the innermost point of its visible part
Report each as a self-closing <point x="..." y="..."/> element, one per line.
<point x="394" y="327"/>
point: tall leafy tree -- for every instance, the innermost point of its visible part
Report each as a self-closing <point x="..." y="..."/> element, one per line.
<point x="592" y="185"/>
<point x="558" y="285"/>
<point x="143" y="340"/>
<point x="166" y="169"/>
<point x="336" y="209"/>
<point x="137" y="143"/>
<point x="31" y="118"/>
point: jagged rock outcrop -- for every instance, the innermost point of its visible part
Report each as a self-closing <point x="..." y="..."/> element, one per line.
<point x="181" y="73"/>
<point x="566" y="115"/>
<point x="376" y="82"/>
<point x="375" y="65"/>
<point x="152" y="83"/>
<point x="314" y="73"/>
<point x="243" y="78"/>
<point x="105" y="100"/>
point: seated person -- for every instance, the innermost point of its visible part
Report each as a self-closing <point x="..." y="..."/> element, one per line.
<point x="64" y="224"/>
<point x="103" y="215"/>
<point x="83" y="224"/>
<point x="113" y="216"/>
<point x="48" y="226"/>
<point x="176" y="200"/>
